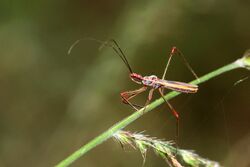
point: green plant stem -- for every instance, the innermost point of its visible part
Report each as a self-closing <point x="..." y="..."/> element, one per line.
<point x="128" y="120"/>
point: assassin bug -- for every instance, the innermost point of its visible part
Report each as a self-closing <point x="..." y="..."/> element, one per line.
<point x="154" y="82"/>
<point x="151" y="81"/>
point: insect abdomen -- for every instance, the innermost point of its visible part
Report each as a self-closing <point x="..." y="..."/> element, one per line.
<point x="180" y="86"/>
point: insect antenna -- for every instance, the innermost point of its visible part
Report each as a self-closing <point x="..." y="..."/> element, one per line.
<point x="110" y="43"/>
<point x="119" y="52"/>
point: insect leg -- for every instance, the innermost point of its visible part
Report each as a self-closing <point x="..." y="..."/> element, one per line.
<point x="150" y="95"/>
<point x="174" y="51"/>
<point x="126" y="96"/>
<point x="174" y="112"/>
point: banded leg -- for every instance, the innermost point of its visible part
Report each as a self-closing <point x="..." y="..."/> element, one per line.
<point x="126" y="96"/>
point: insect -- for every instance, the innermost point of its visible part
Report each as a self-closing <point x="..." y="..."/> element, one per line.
<point x="152" y="81"/>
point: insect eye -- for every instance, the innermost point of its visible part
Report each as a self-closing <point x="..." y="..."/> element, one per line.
<point x="134" y="78"/>
<point x="153" y="77"/>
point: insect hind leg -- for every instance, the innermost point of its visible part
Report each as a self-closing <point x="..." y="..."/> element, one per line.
<point x="176" y="115"/>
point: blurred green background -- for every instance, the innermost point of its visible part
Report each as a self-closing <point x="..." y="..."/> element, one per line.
<point x="51" y="103"/>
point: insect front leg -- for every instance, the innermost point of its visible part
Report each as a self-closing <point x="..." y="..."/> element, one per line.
<point x="126" y="96"/>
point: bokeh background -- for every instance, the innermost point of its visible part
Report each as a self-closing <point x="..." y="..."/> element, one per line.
<point x="52" y="103"/>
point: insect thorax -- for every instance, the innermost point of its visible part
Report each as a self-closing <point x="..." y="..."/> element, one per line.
<point x="151" y="81"/>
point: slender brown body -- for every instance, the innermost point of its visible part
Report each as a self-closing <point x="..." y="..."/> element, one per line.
<point x="154" y="82"/>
